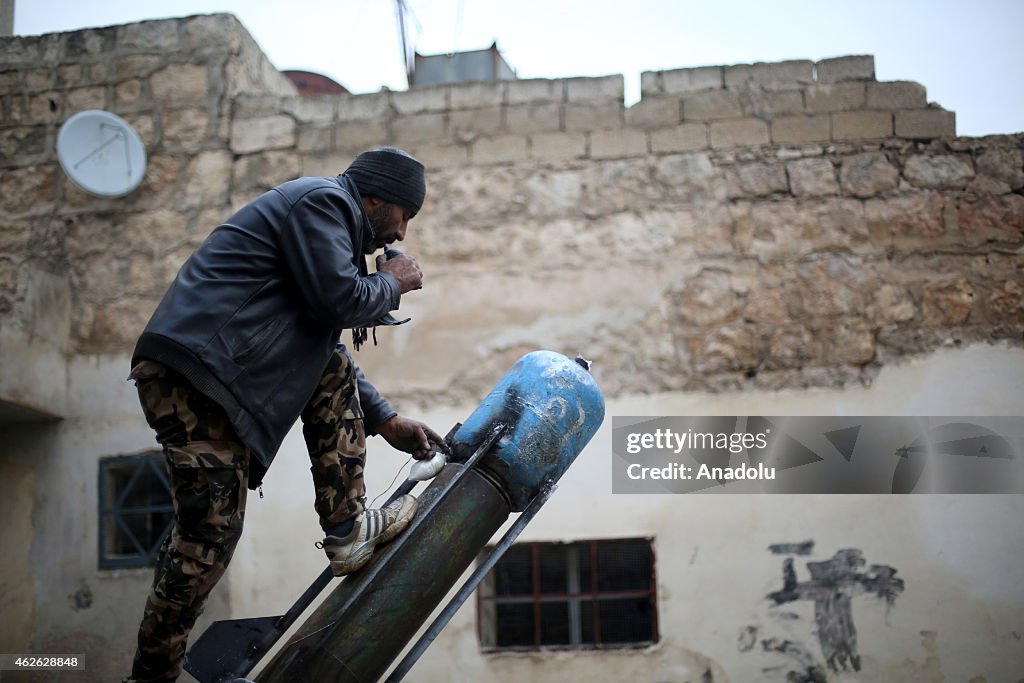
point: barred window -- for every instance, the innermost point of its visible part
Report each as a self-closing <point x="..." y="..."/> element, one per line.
<point x="136" y="511"/>
<point x="587" y="595"/>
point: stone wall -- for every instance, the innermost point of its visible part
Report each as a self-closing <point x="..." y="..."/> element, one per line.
<point x="99" y="262"/>
<point x="783" y="224"/>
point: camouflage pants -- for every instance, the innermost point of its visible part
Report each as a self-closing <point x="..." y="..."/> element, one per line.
<point x="332" y="427"/>
<point x="208" y="469"/>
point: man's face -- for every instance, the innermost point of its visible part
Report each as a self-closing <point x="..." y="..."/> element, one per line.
<point x="389" y="222"/>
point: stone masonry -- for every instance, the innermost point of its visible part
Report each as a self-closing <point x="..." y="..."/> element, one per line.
<point x="783" y="224"/>
<point x="795" y="224"/>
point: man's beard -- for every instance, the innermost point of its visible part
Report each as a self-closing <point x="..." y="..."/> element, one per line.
<point x="378" y="217"/>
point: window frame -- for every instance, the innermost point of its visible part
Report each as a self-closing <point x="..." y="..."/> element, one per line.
<point x="487" y="604"/>
<point x="151" y="461"/>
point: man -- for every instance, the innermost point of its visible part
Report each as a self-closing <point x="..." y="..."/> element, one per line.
<point x="244" y="342"/>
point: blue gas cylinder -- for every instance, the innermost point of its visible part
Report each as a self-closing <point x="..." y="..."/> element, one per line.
<point x="550" y="406"/>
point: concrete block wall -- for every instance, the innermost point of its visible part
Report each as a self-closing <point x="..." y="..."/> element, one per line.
<point x="796" y="101"/>
<point x="704" y="108"/>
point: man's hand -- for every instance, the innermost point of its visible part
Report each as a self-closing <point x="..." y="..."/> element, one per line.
<point x="404" y="269"/>
<point x="411" y="436"/>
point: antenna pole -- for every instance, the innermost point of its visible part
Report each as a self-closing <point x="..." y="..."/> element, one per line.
<point x="400" y="11"/>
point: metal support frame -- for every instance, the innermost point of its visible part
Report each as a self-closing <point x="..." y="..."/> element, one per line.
<point x="214" y="657"/>
<point x="410" y="659"/>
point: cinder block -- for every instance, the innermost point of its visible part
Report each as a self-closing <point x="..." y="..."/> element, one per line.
<point x="618" y="144"/>
<point x="356" y="107"/>
<point x="926" y="124"/>
<point x="651" y="84"/>
<point x="597" y="116"/>
<point x="558" y="146"/>
<point x="739" y="133"/>
<point x="770" y="104"/>
<point x="259" y="172"/>
<point x="685" y="81"/>
<point x="358" y="136"/>
<point x="711" y="106"/>
<point x="535" y="90"/>
<point x="419" y="128"/>
<point x="835" y="97"/>
<point x="770" y="75"/>
<point x="654" y="113"/>
<point x="441" y="156"/>
<point x="851" y="68"/>
<point x="325" y="164"/>
<point x="499" y="149"/>
<point x="419" y="100"/>
<point x="601" y="88"/>
<point x="533" y="118"/>
<point x="466" y="123"/>
<point x="856" y="125"/>
<point x="789" y="129"/>
<point x="477" y="95"/>
<point x="311" y="109"/>
<point x="896" y="95"/>
<point x="314" y="138"/>
<point x="684" y="138"/>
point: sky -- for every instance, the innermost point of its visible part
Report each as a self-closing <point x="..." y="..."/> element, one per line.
<point x="967" y="53"/>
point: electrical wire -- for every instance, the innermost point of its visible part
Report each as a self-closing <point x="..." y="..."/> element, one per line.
<point x="388" y="487"/>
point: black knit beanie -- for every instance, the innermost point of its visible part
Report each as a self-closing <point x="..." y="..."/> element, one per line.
<point x="392" y="175"/>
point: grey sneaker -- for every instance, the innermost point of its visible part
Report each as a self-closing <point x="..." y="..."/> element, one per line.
<point x="372" y="528"/>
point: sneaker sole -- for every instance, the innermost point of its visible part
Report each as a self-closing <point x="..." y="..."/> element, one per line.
<point x="353" y="563"/>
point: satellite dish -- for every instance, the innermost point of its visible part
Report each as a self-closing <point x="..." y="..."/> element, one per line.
<point x="101" y="153"/>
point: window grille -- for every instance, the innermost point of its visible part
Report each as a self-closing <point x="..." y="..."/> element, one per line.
<point x="584" y="595"/>
<point x="136" y="511"/>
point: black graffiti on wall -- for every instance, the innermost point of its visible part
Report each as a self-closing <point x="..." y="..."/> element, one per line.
<point x="831" y="587"/>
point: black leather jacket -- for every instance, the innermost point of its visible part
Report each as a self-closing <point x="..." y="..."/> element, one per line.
<point x="254" y="314"/>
